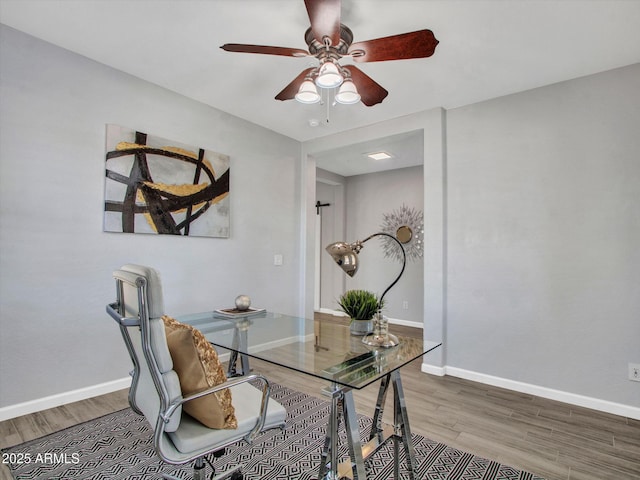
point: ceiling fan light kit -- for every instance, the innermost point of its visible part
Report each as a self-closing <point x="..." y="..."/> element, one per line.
<point x="307" y="93"/>
<point x="329" y="76"/>
<point x="348" y="94"/>
<point x="329" y="41"/>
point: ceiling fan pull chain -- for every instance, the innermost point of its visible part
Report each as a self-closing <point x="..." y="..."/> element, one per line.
<point x="328" y="106"/>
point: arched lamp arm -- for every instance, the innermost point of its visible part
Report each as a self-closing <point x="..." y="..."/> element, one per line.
<point x="404" y="262"/>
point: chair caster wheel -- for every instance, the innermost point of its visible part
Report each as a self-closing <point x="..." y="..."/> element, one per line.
<point x="237" y="476"/>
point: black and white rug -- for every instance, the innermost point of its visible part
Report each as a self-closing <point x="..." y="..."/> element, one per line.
<point x="119" y="446"/>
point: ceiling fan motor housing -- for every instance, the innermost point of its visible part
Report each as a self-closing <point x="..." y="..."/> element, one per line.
<point x="316" y="46"/>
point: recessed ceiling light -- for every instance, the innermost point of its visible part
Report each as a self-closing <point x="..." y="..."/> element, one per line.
<point x="379" y="155"/>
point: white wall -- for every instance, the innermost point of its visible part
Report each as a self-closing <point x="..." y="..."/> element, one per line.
<point x="55" y="260"/>
<point x="544" y="237"/>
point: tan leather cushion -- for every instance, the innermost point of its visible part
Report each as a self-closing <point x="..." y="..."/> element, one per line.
<point x="198" y="367"/>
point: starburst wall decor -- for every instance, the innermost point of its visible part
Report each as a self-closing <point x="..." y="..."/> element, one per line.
<point x="406" y="224"/>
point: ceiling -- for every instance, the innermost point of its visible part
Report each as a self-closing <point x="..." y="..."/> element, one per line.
<point x="488" y="48"/>
<point x="406" y="150"/>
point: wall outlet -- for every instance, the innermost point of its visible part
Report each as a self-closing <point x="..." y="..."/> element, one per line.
<point x="634" y="372"/>
<point x="277" y="259"/>
<point x="405" y="305"/>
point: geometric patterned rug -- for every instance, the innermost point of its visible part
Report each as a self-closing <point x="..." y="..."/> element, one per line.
<point x="119" y="446"/>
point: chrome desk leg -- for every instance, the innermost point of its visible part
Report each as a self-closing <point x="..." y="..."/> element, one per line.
<point x="240" y="340"/>
<point x="342" y="400"/>
<point x="353" y="436"/>
<point x="233" y="359"/>
<point x="244" y="363"/>
<point x="378" y="436"/>
<point x="401" y="420"/>
<point x="396" y="460"/>
<point x="376" y="425"/>
<point x="331" y="439"/>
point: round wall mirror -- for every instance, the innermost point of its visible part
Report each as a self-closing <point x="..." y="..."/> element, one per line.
<point x="404" y="234"/>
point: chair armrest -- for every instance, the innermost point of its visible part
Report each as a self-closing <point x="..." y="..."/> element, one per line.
<point x="266" y="393"/>
<point x="123" y="321"/>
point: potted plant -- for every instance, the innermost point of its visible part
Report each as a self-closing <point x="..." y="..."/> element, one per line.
<point x="361" y="306"/>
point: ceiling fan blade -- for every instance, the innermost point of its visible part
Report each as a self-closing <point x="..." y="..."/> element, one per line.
<point x="289" y="92"/>
<point x="418" y="44"/>
<point x="370" y="92"/>
<point x="284" y="51"/>
<point x="325" y="19"/>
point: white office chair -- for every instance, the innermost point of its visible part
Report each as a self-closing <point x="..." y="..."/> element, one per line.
<point x="155" y="388"/>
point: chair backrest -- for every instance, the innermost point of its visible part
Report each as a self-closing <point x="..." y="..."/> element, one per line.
<point x="155" y="385"/>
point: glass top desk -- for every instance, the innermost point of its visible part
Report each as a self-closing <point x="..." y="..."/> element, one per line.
<point x="328" y="351"/>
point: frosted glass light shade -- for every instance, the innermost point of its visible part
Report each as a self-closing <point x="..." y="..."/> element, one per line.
<point x="329" y="76"/>
<point x="307" y="93"/>
<point x="348" y="93"/>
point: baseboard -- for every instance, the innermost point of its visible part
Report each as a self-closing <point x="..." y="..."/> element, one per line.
<point x="277" y="343"/>
<point x="544" y="392"/>
<point x="328" y="311"/>
<point x="406" y="323"/>
<point x="13" y="411"/>
<point x="393" y="321"/>
<point x="433" y="370"/>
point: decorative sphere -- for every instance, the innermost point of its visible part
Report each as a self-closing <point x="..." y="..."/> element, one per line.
<point x="243" y="302"/>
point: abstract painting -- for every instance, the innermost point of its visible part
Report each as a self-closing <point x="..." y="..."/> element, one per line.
<point x="161" y="186"/>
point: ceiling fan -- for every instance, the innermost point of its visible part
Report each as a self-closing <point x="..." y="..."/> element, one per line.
<point x="329" y="41"/>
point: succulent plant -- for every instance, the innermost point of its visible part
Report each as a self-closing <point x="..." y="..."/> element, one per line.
<point x="359" y="304"/>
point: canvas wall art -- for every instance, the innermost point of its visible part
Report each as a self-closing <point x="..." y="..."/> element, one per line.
<point x="160" y="186"/>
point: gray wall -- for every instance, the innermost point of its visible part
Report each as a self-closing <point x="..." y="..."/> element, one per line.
<point x="55" y="260"/>
<point x="544" y="236"/>
<point x="362" y="200"/>
<point x="430" y="126"/>
<point x="368" y="198"/>
<point x="532" y="229"/>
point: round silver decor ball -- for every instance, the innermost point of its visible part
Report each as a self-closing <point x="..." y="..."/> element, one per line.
<point x="243" y="302"/>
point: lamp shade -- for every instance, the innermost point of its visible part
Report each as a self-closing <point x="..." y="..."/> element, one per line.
<point x="348" y="93"/>
<point x="307" y="93"/>
<point x="329" y="76"/>
<point x="345" y="256"/>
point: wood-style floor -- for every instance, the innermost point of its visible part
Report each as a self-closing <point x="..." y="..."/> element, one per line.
<point x="551" y="439"/>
